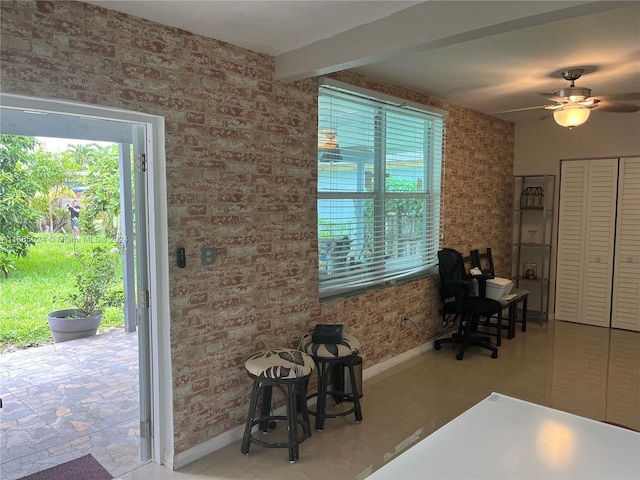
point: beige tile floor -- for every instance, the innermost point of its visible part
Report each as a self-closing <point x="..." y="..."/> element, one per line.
<point x="52" y="413"/>
<point x="590" y="371"/>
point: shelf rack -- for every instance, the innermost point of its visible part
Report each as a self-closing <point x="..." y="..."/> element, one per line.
<point x="533" y="207"/>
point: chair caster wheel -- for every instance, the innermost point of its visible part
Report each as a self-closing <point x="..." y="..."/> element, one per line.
<point x="494" y="355"/>
<point x="459" y="356"/>
<point x="437" y="346"/>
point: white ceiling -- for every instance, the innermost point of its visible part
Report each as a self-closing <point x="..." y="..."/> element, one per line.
<point x="490" y="56"/>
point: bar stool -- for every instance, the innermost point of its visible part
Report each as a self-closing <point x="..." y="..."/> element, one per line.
<point x="329" y="357"/>
<point x="287" y="370"/>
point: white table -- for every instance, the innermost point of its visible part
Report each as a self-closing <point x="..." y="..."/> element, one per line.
<point x="503" y="437"/>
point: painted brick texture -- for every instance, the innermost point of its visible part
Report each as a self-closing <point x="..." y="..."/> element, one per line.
<point x="241" y="176"/>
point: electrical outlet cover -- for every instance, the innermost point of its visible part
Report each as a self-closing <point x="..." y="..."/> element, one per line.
<point x="207" y="255"/>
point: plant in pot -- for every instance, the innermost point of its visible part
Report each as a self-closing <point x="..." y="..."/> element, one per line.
<point x="93" y="289"/>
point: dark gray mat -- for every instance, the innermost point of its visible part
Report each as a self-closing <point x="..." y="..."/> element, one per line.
<point x="83" y="468"/>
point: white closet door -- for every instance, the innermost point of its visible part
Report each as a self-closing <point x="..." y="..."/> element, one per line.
<point x="626" y="281"/>
<point x="571" y="239"/>
<point x="599" y="247"/>
<point x="586" y="241"/>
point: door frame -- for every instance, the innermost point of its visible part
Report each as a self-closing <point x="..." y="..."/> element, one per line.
<point x="161" y="385"/>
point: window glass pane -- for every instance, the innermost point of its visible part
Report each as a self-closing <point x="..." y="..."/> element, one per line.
<point x="345" y="144"/>
<point x="405" y="232"/>
<point x="345" y="231"/>
<point x="352" y="173"/>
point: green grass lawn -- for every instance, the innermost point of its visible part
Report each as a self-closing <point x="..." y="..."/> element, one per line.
<point x="30" y="292"/>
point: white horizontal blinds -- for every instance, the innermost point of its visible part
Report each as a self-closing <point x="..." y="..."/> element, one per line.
<point x="379" y="169"/>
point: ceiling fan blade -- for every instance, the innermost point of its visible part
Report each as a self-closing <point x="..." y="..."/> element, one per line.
<point x="605" y="106"/>
<point x="515" y="110"/>
<point x="619" y="97"/>
<point x="553" y="98"/>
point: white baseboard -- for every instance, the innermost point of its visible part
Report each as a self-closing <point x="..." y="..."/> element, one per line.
<point x="216" y="443"/>
<point x="205" y="448"/>
<point x="392" y="362"/>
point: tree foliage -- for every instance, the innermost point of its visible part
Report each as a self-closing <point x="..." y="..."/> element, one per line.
<point x="36" y="185"/>
<point x="53" y="174"/>
<point x="102" y="196"/>
<point x="17" y="186"/>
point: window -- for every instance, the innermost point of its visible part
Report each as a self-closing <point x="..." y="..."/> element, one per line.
<point x="379" y="170"/>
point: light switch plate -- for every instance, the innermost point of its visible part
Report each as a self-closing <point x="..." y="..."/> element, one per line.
<point x="207" y="255"/>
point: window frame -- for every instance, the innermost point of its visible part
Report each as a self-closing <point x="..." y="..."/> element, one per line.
<point x="433" y="165"/>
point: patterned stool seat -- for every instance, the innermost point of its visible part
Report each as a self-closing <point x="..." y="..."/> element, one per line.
<point x="331" y="359"/>
<point x="349" y="345"/>
<point x="288" y="371"/>
<point x="280" y="363"/>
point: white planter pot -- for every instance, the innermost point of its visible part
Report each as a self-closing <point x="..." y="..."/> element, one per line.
<point x="65" y="325"/>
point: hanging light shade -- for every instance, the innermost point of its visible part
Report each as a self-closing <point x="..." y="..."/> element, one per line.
<point x="571" y="115"/>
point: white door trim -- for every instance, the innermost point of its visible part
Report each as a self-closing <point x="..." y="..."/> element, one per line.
<point x="158" y="251"/>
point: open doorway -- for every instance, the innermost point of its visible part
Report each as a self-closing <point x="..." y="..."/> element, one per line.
<point x="139" y="146"/>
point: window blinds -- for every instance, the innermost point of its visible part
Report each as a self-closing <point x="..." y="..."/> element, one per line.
<point x="379" y="173"/>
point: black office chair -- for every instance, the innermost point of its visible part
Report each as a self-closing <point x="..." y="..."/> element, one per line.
<point x="456" y="290"/>
<point x="484" y="261"/>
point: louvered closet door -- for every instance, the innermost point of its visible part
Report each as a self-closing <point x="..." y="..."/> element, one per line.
<point x="626" y="280"/>
<point x="571" y="240"/>
<point x="600" y="236"/>
<point x="585" y="241"/>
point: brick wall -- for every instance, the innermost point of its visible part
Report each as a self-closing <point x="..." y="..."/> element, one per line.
<point x="241" y="176"/>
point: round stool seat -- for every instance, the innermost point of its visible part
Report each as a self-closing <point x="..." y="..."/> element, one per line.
<point x="280" y="363"/>
<point x="349" y="345"/>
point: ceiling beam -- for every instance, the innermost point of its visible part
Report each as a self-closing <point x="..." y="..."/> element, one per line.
<point x="429" y="25"/>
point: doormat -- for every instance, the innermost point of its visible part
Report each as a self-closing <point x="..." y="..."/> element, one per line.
<point x="83" y="468"/>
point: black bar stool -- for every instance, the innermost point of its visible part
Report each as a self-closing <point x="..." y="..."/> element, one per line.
<point x="329" y="358"/>
<point x="287" y="370"/>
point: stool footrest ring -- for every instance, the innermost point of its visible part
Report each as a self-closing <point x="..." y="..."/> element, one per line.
<point x="284" y="444"/>
<point x="344" y="413"/>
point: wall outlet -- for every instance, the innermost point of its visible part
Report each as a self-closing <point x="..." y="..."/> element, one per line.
<point x="403" y="321"/>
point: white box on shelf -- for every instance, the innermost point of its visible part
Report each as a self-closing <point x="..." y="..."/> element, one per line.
<point x="499" y="287"/>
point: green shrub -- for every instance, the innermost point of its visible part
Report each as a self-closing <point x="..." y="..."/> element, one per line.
<point x="94" y="280"/>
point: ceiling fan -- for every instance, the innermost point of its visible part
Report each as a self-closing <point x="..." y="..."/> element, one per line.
<point x="573" y="104"/>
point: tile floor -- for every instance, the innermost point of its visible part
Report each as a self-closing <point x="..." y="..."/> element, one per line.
<point x="61" y="401"/>
<point x="589" y="371"/>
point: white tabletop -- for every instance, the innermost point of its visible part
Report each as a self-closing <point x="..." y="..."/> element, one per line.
<point x="503" y="437"/>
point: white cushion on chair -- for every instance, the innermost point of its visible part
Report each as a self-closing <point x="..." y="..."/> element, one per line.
<point x="280" y="363"/>
<point x="349" y="345"/>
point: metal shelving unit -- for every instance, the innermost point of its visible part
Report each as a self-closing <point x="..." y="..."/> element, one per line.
<point x="533" y="231"/>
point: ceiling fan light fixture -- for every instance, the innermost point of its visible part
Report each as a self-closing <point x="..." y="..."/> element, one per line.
<point x="571" y="115"/>
<point x="574" y="94"/>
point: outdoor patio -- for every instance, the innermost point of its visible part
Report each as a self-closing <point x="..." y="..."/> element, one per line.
<point x="62" y="401"/>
